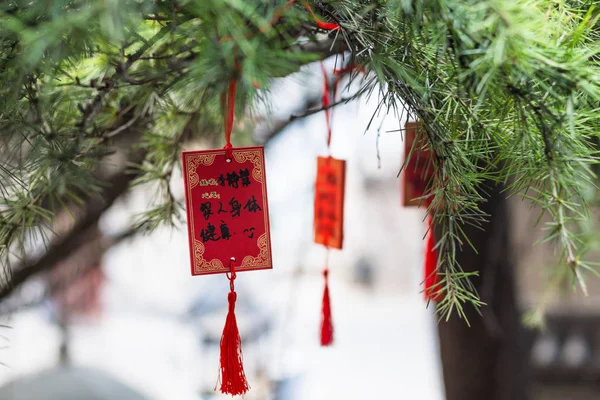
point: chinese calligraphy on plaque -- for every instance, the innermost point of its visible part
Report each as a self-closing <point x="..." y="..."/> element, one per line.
<point x="329" y="202"/>
<point x="227" y="210"/>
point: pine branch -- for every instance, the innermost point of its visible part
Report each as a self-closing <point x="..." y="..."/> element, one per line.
<point x="312" y="111"/>
<point x="502" y="98"/>
<point x="62" y="247"/>
<point x="147" y="45"/>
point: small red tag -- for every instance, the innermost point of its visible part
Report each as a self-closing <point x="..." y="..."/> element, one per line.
<point x="227" y="210"/>
<point x="418" y="170"/>
<point x="329" y="202"/>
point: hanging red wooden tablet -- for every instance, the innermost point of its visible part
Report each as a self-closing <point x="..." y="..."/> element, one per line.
<point x="227" y="210"/>
<point x="329" y="202"/>
<point x="418" y="170"/>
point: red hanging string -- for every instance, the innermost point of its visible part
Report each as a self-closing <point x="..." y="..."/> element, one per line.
<point x="328" y="98"/>
<point x="432" y="278"/>
<point x="228" y="101"/>
<point x="326" y="103"/>
<point x="232" y="376"/>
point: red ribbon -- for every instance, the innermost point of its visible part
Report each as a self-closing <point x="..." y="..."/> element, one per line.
<point x="228" y="101"/>
<point x="326" y="95"/>
<point x="327" y="102"/>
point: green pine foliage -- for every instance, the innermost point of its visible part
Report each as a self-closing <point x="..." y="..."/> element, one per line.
<point x="508" y="91"/>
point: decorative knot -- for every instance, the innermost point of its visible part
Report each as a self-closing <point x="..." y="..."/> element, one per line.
<point x="228" y="152"/>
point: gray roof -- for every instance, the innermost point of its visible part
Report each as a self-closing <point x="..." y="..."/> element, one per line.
<point x="68" y="383"/>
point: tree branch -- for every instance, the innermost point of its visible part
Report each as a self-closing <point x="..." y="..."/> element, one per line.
<point x="159" y="35"/>
<point x="325" y="48"/>
<point x="12" y="304"/>
<point x="318" y="110"/>
<point x="62" y="247"/>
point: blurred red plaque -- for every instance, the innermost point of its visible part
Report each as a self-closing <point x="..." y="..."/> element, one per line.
<point x="329" y="202"/>
<point x="227" y="210"/>
<point x="418" y="169"/>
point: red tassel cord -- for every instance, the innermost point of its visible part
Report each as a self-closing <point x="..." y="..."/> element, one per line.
<point x="326" y="103"/>
<point x="326" y="323"/>
<point x="232" y="376"/>
<point x="432" y="278"/>
<point x="328" y="100"/>
<point x="228" y="102"/>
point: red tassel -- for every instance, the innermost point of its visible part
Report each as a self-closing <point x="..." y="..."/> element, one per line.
<point x="432" y="278"/>
<point x="233" y="379"/>
<point x="326" y="324"/>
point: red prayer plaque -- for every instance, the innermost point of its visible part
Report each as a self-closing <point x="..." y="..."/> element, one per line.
<point x="418" y="170"/>
<point x="227" y="210"/>
<point x="329" y="202"/>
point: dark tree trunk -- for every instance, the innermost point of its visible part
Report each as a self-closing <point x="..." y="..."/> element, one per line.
<point x="487" y="361"/>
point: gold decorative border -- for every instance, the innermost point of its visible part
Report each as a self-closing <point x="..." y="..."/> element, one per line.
<point x="193" y="162"/>
<point x="200" y="264"/>
<point x="262" y="259"/>
<point x="254" y="156"/>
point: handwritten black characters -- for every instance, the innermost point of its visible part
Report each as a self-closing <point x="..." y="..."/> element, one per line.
<point x="206" y="210"/>
<point x="249" y="232"/>
<point x="225" y="234"/>
<point x="236" y="207"/>
<point x="331" y="179"/>
<point x="323" y="214"/>
<point x="245" y="177"/>
<point x="252" y="205"/>
<point x="233" y="179"/>
<point x="328" y="198"/>
<point x="209" y="233"/>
